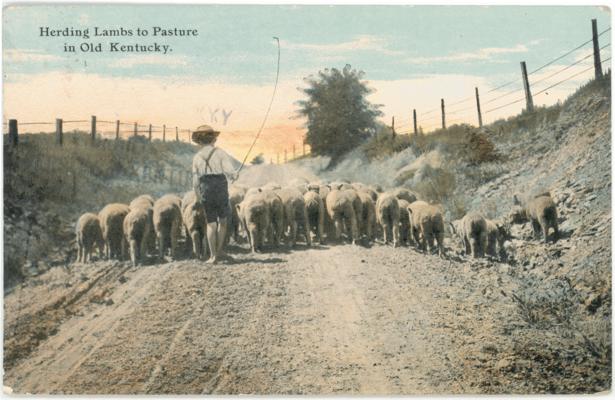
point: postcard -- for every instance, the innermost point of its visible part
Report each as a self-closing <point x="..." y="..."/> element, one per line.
<point x="306" y="199"/>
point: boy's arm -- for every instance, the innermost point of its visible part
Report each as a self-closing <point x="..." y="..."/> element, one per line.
<point x="231" y="166"/>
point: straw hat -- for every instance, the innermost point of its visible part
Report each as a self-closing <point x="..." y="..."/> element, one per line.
<point x="203" y="134"/>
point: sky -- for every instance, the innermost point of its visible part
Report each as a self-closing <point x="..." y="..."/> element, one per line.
<point x="412" y="57"/>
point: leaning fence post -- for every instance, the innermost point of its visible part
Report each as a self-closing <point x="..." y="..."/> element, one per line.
<point x="13" y="135"/>
<point x="176" y="134"/>
<point x="150" y="132"/>
<point x="135" y="130"/>
<point x="164" y="133"/>
<point x="414" y="118"/>
<point x="597" y="63"/>
<point x="443" y="114"/>
<point x="59" y="138"/>
<point x="529" y="104"/>
<point x="393" y="126"/>
<point x="93" y="131"/>
<point x="480" y="117"/>
<point x="117" y="129"/>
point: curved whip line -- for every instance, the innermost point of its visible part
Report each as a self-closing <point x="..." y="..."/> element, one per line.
<point x="260" y="130"/>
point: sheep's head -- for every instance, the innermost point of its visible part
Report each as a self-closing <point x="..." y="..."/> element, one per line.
<point x="517" y="215"/>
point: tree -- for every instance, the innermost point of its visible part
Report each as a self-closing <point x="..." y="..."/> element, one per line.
<point x="339" y="117"/>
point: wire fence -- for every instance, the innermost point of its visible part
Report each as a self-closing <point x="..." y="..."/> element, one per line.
<point x="466" y="110"/>
<point x="457" y="111"/>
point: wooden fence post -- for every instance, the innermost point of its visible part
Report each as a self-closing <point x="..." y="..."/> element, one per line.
<point x="597" y="63"/>
<point x="135" y="130"/>
<point x="414" y="118"/>
<point x="59" y="134"/>
<point x="74" y="179"/>
<point x="93" y="130"/>
<point x="13" y="132"/>
<point x="164" y="133"/>
<point x="480" y="117"/>
<point x="443" y="114"/>
<point x="529" y="104"/>
<point x="393" y="126"/>
<point x="176" y="135"/>
<point x="150" y="133"/>
<point x="117" y="129"/>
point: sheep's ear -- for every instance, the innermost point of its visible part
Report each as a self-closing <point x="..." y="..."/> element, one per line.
<point x="409" y="209"/>
<point x="238" y="207"/>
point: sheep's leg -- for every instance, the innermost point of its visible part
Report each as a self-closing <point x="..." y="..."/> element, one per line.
<point x="395" y="228"/>
<point x="253" y="235"/>
<point x="468" y="246"/>
<point x="133" y="252"/>
<point x="440" y="240"/>
<point x="320" y="230"/>
<point x="293" y="233"/>
<point x="143" y="247"/>
<point x="79" y="251"/>
<point x="536" y="227"/>
<point x="429" y="238"/>
<point x="174" y="235"/>
<point x="196" y="244"/>
<point x="482" y="242"/>
<point x="338" y="227"/>
<point x="385" y="230"/>
<point x="306" y="228"/>
<point x="423" y="246"/>
<point x="475" y="247"/>
<point x="544" y="226"/>
<point x="555" y="230"/>
<point x="161" y="240"/>
<point x="204" y="246"/>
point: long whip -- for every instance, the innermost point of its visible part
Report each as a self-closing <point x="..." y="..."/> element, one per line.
<point x="275" y="88"/>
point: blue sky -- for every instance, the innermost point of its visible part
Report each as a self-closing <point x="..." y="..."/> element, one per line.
<point x="234" y="42"/>
<point x="412" y="57"/>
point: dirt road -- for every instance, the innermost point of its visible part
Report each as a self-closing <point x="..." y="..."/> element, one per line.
<point x="339" y="319"/>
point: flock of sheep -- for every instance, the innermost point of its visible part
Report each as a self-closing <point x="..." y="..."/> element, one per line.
<point x="330" y="212"/>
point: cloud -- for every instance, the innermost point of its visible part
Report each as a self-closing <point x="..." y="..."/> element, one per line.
<point x="24" y="55"/>
<point x="132" y="61"/>
<point x="360" y="43"/>
<point x="484" y="54"/>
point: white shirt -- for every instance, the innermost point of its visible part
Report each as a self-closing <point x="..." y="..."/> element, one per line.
<point x="220" y="163"/>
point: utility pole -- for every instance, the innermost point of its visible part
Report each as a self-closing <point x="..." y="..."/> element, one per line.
<point x="597" y="63"/>
<point x="443" y="114"/>
<point x="480" y="117"/>
<point x="529" y="104"/>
